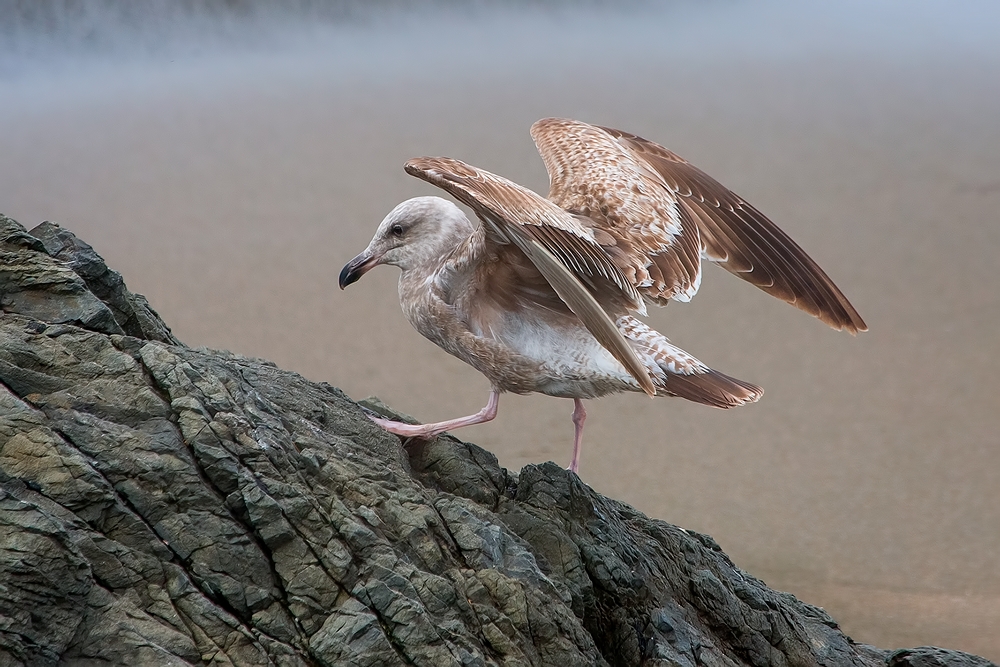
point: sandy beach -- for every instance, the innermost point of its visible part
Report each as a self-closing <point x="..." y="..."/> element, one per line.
<point x="229" y="183"/>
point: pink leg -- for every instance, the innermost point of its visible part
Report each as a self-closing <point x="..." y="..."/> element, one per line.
<point x="579" y="416"/>
<point x="427" y="431"/>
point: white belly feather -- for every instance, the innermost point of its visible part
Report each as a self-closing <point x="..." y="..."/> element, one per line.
<point x="574" y="364"/>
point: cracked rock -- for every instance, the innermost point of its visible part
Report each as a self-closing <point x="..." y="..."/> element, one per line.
<point x="170" y="506"/>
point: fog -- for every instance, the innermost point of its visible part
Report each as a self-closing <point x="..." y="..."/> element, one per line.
<point x="228" y="158"/>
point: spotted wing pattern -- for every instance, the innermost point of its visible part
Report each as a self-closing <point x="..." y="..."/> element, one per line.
<point x="652" y="238"/>
<point x="610" y="175"/>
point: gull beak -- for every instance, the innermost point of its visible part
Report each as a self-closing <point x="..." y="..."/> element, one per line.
<point x="358" y="267"/>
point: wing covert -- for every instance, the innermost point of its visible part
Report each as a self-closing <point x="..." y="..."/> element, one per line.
<point x="656" y="240"/>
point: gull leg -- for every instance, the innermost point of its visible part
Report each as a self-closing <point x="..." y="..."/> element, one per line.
<point x="579" y="416"/>
<point x="427" y="431"/>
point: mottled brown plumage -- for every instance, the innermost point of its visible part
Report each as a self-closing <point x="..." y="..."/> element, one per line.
<point x="540" y="297"/>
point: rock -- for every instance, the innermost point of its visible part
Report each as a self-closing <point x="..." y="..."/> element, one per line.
<point x="131" y="312"/>
<point x="171" y="506"/>
<point x="930" y="656"/>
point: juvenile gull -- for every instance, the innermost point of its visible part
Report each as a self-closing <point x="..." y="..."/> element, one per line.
<point x="541" y="295"/>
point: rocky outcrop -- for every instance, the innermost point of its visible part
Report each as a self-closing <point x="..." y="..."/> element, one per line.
<point x="164" y="505"/>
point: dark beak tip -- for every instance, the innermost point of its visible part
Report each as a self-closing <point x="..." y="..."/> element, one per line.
<point x="356" y="268"/>
<point x="347" y="276"/>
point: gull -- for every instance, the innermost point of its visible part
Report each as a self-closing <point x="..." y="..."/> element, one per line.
<point x="542" y="294"/>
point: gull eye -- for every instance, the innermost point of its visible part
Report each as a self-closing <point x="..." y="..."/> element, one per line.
<point x="396" y="230"/>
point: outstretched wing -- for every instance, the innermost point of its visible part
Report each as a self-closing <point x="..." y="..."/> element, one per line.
<point x="560" y="246"/>
<point x="584" y="167"/>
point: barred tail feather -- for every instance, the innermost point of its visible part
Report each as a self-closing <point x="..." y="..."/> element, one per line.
<point x="677" y="373"/>
<point x="712" y="388"/>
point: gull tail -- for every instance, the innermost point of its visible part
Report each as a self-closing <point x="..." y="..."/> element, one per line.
<point x="677" y="373"/>
<point x="712" y="388"/>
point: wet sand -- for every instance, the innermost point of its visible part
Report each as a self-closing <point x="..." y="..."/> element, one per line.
<point x="230" y="188"/>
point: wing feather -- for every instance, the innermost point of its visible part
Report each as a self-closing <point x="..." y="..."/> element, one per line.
<point x="666" y="214"/>
<point x="744" y="241"/>
<point x="656" y="240"/>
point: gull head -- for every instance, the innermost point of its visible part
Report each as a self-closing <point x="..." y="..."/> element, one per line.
<point x="416" y="233"/>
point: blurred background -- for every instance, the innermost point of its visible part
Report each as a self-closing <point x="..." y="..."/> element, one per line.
<point x="229" y="157"/>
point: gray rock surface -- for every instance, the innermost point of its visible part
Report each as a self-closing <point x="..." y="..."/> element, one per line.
<point x="162" y="505"/>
